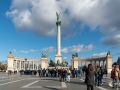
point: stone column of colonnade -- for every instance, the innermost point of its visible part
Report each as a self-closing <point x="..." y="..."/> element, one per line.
<point x="103" y="63"/>
<point x="33" y="65"/>
<point x="24" y="65"/>
<point x="37" y="66"/>
<point x="20" y="65"/>
<point x="16" y="65"/>
<point x="29" y="64"/>
<point x="98" y="63"/>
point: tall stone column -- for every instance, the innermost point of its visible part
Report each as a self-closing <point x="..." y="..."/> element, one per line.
<point x="58" y="41"/>
<point x="58" y="57"/>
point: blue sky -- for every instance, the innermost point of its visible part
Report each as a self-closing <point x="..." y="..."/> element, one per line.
<point x="89" y="27"/>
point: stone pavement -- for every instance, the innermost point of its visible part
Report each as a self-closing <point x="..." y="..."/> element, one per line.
<point x="35" y="83"/>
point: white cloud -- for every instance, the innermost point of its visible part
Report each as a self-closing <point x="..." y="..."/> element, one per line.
<point x="33" y="51"/>
<point x="48" y="49"/>
<point x="70" y="49"/>
<point x="113" y="40"/>
<point x="39" y="15"/>
<point x="64" y="58"/>
<point x="36" y="15"/>
<point x="99" y="54"/>
<point x="24" y="51"/>
<point x="78" y="48"/>
<point x="29" y="51"/>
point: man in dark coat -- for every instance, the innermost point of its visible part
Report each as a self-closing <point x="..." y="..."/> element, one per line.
<point x="90" y="74"/>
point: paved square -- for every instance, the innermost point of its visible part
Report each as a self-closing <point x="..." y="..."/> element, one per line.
<point x="35" y="83"/>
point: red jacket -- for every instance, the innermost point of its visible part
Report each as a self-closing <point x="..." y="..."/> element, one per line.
<point x="113" y="73"/>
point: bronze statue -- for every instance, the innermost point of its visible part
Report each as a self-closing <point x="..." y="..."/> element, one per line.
<point x="58" y="22"/>
<point x="58" y="16"/>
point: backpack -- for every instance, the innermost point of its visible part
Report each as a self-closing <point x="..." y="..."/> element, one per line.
<point x="116" y="74"/>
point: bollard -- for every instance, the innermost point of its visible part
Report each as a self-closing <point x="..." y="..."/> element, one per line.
<point x="63" y="85"/>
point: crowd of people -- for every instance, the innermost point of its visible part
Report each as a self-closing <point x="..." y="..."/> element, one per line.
<point x="63" y="74"/>
<point x="93" y="74"/>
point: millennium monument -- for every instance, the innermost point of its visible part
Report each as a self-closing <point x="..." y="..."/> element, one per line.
<point x="17" y="64"/>
<point x="58" y="56"/>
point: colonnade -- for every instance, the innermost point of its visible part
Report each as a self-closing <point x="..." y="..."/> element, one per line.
<point x="105" y="61"/>
<point x="85" y="62"/>
<point x="19" y="64"/>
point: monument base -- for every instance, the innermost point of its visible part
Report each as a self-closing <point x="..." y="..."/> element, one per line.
<point x="58" y="59"/>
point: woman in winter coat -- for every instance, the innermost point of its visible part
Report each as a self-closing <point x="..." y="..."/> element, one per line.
<point x="90" y="77"/>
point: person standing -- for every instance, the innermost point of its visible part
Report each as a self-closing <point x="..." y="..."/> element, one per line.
<point x="97" y="75"/>
<point x="100" y="72"/>
<point x="115" y="75"/>
<point x="90" y="75"/>
<point x="62" y="76"/>
<point x="68" y="75"/>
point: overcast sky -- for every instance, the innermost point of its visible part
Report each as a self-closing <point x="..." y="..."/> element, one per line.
<point x="89" y="27"/>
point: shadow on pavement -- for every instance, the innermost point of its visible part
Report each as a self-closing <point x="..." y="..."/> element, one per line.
<point x="76" y="82"/>
<point x="51" y="88"/>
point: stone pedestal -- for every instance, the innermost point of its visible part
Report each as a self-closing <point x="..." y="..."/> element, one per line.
<point x="44" y="63"/>
<point x="75" y="62"/>
<point x="109" y="63"/>
<point x="10" y="62"/>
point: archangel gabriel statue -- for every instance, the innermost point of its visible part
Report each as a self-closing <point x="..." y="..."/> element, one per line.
<point x="58" y="16"/>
